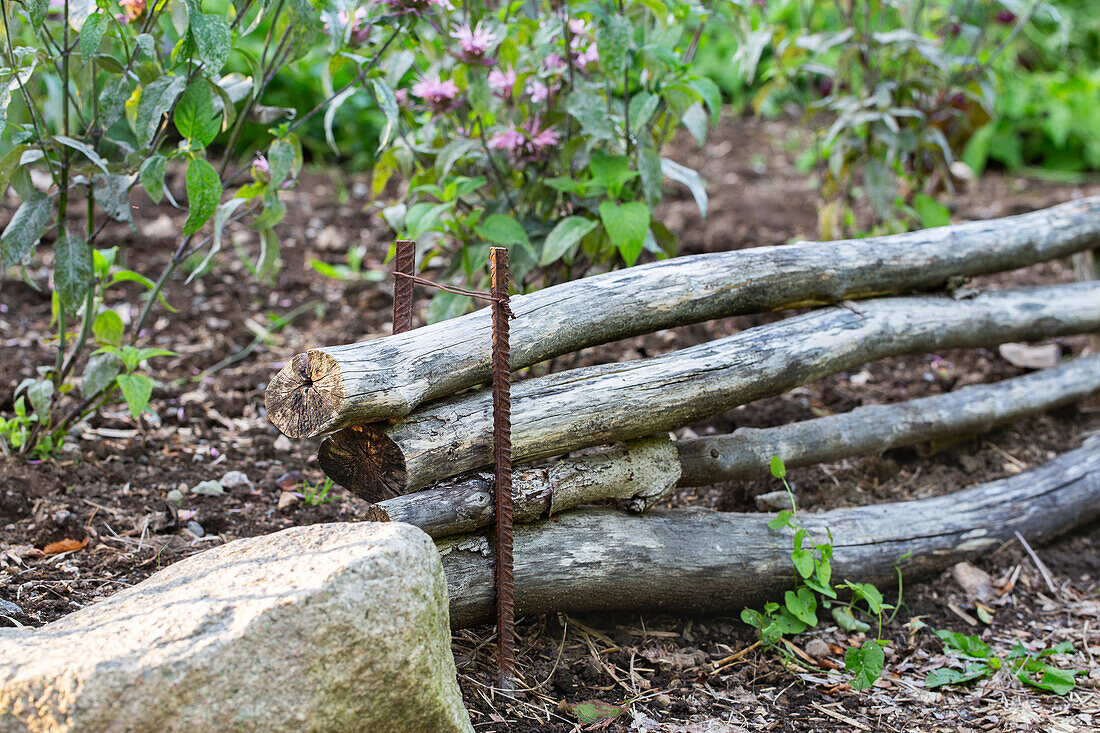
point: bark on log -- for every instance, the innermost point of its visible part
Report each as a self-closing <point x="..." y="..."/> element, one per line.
<point x="604" y="404"/>
<point x="747" y="452"/>
<point x="334" y="387"/>
<point x="640" y="473"/>
<point x="697" y="561"/>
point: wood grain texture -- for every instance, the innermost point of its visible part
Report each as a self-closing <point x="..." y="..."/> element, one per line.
<point x="698" y="561"/>
<point x="341" y="386"/>
<point x="747" y="452"/>
<point x="608" y="403"/>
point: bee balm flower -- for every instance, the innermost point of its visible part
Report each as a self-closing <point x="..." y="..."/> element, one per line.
<point x="438" y="95"/>
<point x="475" y="43"/>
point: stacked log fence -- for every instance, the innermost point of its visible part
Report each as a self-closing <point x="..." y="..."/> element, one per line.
<point x="406" y="421"/>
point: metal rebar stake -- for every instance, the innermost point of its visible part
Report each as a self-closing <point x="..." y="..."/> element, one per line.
<point x="502" y="459"/>
<point x="404" y="262"/>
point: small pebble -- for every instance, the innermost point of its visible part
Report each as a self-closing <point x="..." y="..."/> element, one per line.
<point x="208" y="488"/>
<point x="233" y="479"/>
<point x="282" y="444"/>
<point x="175" y="496"/>
<point x="196" y="529"/>
<point x="10" y="609"/>
<point x="817" y="648"/>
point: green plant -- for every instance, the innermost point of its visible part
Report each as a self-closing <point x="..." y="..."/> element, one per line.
<point x="352" y="271"/>
<point x="814" y="588"/>
<point x="539" y="126"/>
<point x="98" y="105"/>
<point x="981" y="661"/>
<point x="316" y="494"/>
<point x="893" y="90"/>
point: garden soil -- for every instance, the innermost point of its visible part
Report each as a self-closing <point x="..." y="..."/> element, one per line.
<point x="107" y="498"/>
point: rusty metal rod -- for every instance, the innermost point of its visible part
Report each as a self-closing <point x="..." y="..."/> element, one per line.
<point x="404" y="263"/>
<point x="502" y="459"/>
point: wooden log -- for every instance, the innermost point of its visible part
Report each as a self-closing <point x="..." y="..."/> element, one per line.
<point x="604" y="404"/>
<point x="335" y="387"/>
<point x="639" y="473"/>
<point x="642" y="472"/>
<point x="698" y="561"/>
<point x="747" y="452"/>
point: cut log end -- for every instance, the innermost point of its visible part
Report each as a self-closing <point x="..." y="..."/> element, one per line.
<point x="375" y="513"/>
<point x="365" y="462"/>
<point x="304" y="397"/>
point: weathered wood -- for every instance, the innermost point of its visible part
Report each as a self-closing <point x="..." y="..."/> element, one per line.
<point x="1087" y="267"/>
<point x="639" y="473"/>
<point x="747" y="452"/>
<point x="335" y="387"/>
<point x="697" y="561"/>
<point x="604" y="404"/>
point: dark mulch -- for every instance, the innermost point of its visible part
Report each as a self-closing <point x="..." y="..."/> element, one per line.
<point x="112" y="485"/>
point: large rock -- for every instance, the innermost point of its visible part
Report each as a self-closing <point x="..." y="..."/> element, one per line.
<point x="337" y="627"/>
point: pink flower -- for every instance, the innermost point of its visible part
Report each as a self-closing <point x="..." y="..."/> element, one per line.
<point x="402" y="97"/>
<point x="475" y="43"/>
<point x="261" y="169"/>
<point x="527" y="144"/>
<point x="537" y="91"/>
<point x="588" y="56"/>
<point x="502" y="82"/>
<point x="553" y="62"/>
<point x="542" y="139"/>
<point x="579" y="27"/>
<point x="132" y="9"/>
<point x="417" y="7"/>
<point x="1006" y="17"/>
<point x="438" y="95"/>
<point x="510" y="140"/>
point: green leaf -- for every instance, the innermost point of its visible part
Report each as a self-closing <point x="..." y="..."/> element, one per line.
<point x="845" y="620"/>
<point x="282" y="159"/>
<point x="590" y="110"/>
<point x="445" y="306"/>
<point x="946" y="676"/>
<point x="868" y="593"/>
<point x="79" y="10"/>
<point x="564" y="237"/>
<point x="690" y="178"/>
<point x="502" y="229"/>
<point x="155" y="100"/>
<point x="136" y="390"/>
<point x="752" y="617"/>
<point x="695" y="120"/>
<point x="112" y="99"/>
<point x="387" y="102"/>
<point x="613" y="37"/>
<point x="108" y="328"/>
<point x="626" y="225"/>
<point x="931" y="212"/>
<point x="204" y="190"/>
<point x="711" y="95"/>
<point x="778" y="468"/>
<point x="36" y="12"/>
<point x="1058" y="681"/>
<point x="212" y="36"/>
<point x="39" y="392"/>
<point x="802" y="605"/>
<point x="803" y="562"/>
<point x="963" y="645"/>
<point x="91" y="33"/>
<point x="99" y="373"/>
<point x="84" y="149"/>
<point x="112" y="192"/>
<point x="72" y="273"/>
<point x="26" y="227"/>
<point x="593" y="711"/>
<point x="152" y="177"/>
<point x="865" y="664"/>
<point x="785" y="623"/>
<point x="783" y="519"/>
<point x="611" y="172"/>
<point x="195" y="117"/>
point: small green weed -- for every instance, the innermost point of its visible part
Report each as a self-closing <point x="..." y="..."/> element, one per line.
<point x="981" y="661"/>
<point x="316" y="494"/>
